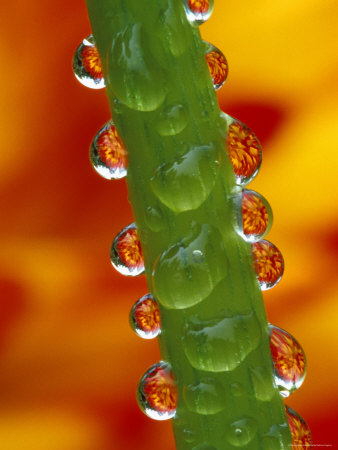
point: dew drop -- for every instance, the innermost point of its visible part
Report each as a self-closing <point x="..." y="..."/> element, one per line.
<point x="262" y="382"/>
<point x="180" y="281"/>
<point x="154" y="218"/>
<point x="288" y="359"/>
<point x="217" y="64"/>
<point x="157" y="392"/>
<point x="172" y="120"/>
<point x="254" y="215"/>
<point x="185" y="183"/>
<point x="108" y="154"/>
<point x="276" y="437"/>
<point x="198" y="11"/>
<point x="126" y="253"/>
<point x="205" y="397"/>
<point x="87" y="66"/>
<point x="244" y="150"/>
<point x="145" y="317"/>
<point x="241" y="432"/>
<point x="300" y="432"/>
<point x="269" y="264"/>
<point x="220" y="344"/>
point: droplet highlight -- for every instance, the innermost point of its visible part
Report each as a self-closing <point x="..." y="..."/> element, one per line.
<point x="300" y="432"/>
<point x="205" y="397"/>
<point x="217" y="64"/>
<point x="145" y="317"/>
<point x="221" y="344"/>
<point x="269" y="264"/>
<point x="108" y="154"/>
<point x="126" y="253"/>
<point x="254" y="215"/>
<point x="157" y="392"/>
<point x="87" y="65"/>
<point x="241" y="432"/>
<point x="288" y="360"/>
<point x="198" y="11"/>
<point x="244" y="150"/>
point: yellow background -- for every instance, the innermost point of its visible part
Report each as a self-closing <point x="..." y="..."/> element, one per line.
<point x="69" y="363"/>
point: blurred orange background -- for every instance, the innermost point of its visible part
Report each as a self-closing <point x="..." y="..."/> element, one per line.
<point x="69" y="361"/>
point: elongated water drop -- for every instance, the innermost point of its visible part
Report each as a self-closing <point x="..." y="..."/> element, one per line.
<point x="198" y="11"/>
<point x="217" y="64"/>
<point x="87" y="65"/>
<point x="108" y="154"/>
<point x="288" y="359"/>
<point x="145" y="317"/>
<point x="126" y="253"/>
<point x="244" y="150"/>
<point x="157" y="392"/>
<point x="300" y="432"/>
<point x="254" y="215"/>
<point x="269" y="264"/>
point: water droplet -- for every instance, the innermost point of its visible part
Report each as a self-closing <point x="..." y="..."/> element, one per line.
<point x="206" y="397"/>
<point x="154" y="218"/>
<point x="277" y="437"/>
<point x="157" y="393"/>
<point x="217" y="64"/>
<point x="262" y="382"/>
<point x="288" y="359"/>
<point x="254" y="215"/>
<point x="221" y="344"/>
<point x="172" y="120"/>
<point x="197" y="256"/>
<point x="237" y="389"/>
<point x="135" y="77"/>
<point x="87" y="66"/>
<point x="180" y="281"/>
<point x="244" y="150"/>
<point x="198" y="11"/>
<point x="269" y="264"/>
<point x="145" y="317"/>
<point x="126" y="253"/>
<point x="107" y="153"/>
<point x="300" y="432"/>
<point x="241" y="432"/>
<point x="185" y="183"/>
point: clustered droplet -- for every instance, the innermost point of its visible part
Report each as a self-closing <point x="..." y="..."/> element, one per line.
<point x="198" y="11"/>
<point x="288" y="359"/>
<point x="256" y="216"/>
<point x="269" y="264"/>
<point x="157" y="392"/>
<point x="244" y="150"/>
<point x="145" y="317"/>
<point x="300" y="432"/>
<point x="217" y="64"/>
<point x="126" y="253"/>
<point x="87" y="65"/>
<point x="108" y="154"/>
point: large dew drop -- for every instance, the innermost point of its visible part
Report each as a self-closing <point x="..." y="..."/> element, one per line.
<point x="145" y="317"/>
<point x="254" y="215"/>
<point x="198" y="11"/>
<point x="300" y="432"/>
<point x="288" y="359"/>
<point x="269" y="264"/>
<point x="244" y="150"/>
<point x="126" y="253"/>
<point x="108" y="154"/>
<point x="157" y="392"/>
<point x="87" y="65"/>
<point x="217" y="64"/>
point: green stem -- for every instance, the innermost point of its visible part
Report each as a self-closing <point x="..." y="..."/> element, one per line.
<point x="182" y="187"/>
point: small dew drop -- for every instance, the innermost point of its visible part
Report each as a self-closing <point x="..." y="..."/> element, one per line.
<point x="108" y="154"/>
<point x="87" y="65"/>
<point x="217" y="64"/>
<point x="172" y="120"/>
<point x="241" y="432"/>
<point x="288" y="359"/>
<point x="157" y="392"/>
<point x="126" y="253"/>
<point x="198" y="11"/>
<point x="197" y="256"/>
<point x="145" y="317"/>
<point x="269" y="264"/>
<point x="300" y="432"/>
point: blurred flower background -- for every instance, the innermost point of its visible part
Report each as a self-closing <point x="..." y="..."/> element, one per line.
<point x="69" y="360"/>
